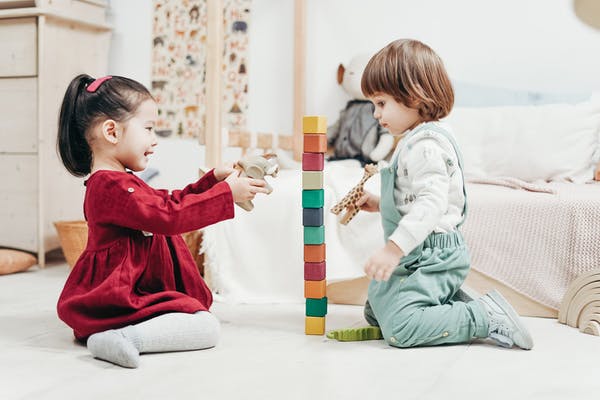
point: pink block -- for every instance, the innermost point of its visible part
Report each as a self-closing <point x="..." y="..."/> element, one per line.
<point x="312" y="161"/>
<point x="314" y="271"/>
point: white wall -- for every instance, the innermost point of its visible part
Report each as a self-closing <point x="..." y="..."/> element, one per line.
<point x="519" y="44"/>
<point x="131" y="43"/>
<point x="532" y="44"/>
<point x="130" y="55"/>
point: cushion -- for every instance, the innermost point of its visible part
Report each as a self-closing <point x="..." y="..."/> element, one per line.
<point x="15" y="261"/>
<point x="553" y="142"/>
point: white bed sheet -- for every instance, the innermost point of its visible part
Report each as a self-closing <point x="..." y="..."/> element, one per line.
<point x="536" y="243"/>
<point x="257" y="257"/>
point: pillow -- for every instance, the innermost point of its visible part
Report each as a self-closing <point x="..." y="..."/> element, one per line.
<point x="15" y="261"/>
<point x="553" y="142"/>
<point x="468" y="94"/>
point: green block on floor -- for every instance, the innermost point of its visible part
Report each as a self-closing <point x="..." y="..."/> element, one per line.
<point x="316" y="307"/>
<point x="313" y="198"/>
<point x="314" y="234"/>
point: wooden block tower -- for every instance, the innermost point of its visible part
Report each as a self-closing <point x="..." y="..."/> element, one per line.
<point x="314" y="130"/>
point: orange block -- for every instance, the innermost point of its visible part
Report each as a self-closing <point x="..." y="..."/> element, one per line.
<point x="314" y="252"/>
<point x="314" y="326"/>
<point x="315" y="143"/>
<point x="315" y="289"/>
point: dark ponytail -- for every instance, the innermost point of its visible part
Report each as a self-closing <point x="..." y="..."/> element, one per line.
<point x="117" y="98"/>
<point x="73" y="147"/>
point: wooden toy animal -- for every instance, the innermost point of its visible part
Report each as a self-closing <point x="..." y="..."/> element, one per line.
<point x="257" y="167"/>
<point x="349" y="201"/>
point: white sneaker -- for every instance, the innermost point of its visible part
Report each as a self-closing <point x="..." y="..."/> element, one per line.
<point x="505" y="326"/>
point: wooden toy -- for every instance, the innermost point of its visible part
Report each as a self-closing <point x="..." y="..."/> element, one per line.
<point x="314" y="252"/>
<point x="314" y="234"/>
<point x="315" y="143"/>
<point x="312" y="216"/>
<point x="257" y="167"/>
<point x="312" y="180"/>
<point x="314" y="129"/>
<point x="313" y="161"/>
<point x="349" y="201"/>
<point x="314" y="325"/>
<point x="313" y="198"/>
<point x="580" y="307"/>
<point x="314" y="124"/>
<point x="314" y="271"/>
<point x="316" y="307"/>
<point x="315" y="289"/>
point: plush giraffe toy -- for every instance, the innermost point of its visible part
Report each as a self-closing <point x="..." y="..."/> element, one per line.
<point x="349" y="201"/>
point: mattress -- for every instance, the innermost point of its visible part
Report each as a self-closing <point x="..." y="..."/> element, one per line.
<point x="534" y="241"/>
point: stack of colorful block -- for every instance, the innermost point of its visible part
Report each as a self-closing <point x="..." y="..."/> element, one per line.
<point x="313" y="199"/>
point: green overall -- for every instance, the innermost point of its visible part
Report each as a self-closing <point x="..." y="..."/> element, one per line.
<point x="421" y="303"/>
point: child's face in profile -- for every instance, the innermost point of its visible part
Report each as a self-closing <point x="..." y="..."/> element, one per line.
<point x="392" y="115"/>
<point x="139" y="138"/>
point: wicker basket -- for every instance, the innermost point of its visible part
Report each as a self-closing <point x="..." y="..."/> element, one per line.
<point x="73" y="239"/>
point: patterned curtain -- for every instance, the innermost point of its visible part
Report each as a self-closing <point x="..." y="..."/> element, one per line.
<point x="179" y="65"/>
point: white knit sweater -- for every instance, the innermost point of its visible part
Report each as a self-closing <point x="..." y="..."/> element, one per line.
<point x="429" y="187"/>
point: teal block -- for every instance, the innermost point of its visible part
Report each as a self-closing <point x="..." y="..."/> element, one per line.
<point x="314" y="234"/>
<point x="316" y="307"/>
<point x="313" y="198"/>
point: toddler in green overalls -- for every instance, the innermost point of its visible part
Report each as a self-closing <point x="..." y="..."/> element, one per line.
<point x="414" y="296"/>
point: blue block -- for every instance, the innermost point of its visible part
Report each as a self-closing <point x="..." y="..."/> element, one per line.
<point x="312" y="216"/>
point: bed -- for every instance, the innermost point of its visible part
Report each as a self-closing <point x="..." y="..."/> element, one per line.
<point x="534" y="217"/>
<point x="531" y="229"/>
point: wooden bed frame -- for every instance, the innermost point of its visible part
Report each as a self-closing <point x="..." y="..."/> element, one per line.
<point x="213" y="135"/>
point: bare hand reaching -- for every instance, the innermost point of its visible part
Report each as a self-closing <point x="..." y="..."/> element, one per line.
<point x="223" y="171"/>
<point x="243" y="188"/>
<point x="368" y="202"/>
<point x="381" y="265"/>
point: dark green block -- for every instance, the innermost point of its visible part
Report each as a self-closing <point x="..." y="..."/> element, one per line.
<point x="314" y="234"/>
<point x="316" y="307"/>
<point x="313" y="198"/>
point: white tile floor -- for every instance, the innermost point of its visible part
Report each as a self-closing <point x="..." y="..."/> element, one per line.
<point x="264" y="354"/>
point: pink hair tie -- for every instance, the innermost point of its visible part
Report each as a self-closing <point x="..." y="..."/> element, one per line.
<point x="92" y="87"/>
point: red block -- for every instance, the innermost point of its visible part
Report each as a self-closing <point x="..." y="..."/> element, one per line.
<point x="313" y="161"/>
<point x="314" y="271"/>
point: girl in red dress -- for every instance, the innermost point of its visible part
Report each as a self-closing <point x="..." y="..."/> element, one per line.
<point x="135" y="288"/>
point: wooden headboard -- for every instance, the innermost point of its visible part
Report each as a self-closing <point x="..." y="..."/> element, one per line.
<point x="259" y="140"/>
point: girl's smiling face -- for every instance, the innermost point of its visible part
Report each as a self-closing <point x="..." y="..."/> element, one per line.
<point x="138" y="139"/>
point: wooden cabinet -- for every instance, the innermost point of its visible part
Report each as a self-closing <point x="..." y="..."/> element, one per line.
<point x="43" y="45"/>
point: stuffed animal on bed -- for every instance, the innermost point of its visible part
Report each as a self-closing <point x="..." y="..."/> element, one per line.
<point x="357" y="134"/>
<point x="257" y="167"/>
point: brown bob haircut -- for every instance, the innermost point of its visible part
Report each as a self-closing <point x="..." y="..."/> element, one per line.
<point x="414" y="75"/>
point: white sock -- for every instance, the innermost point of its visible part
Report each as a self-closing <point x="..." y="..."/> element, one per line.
<point x="167" y="332"/>
<point x="114" y="347"/>
<point x="175" y="332"/>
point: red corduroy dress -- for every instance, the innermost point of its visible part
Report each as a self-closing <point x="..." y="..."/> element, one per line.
<point x="125" y="276"/>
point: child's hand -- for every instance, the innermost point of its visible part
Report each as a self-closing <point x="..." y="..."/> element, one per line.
<point x="368" y="202"/>
<point x="223" y="171"/>
<point x="243" y="188"/>
<point x="381" y="265"/>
